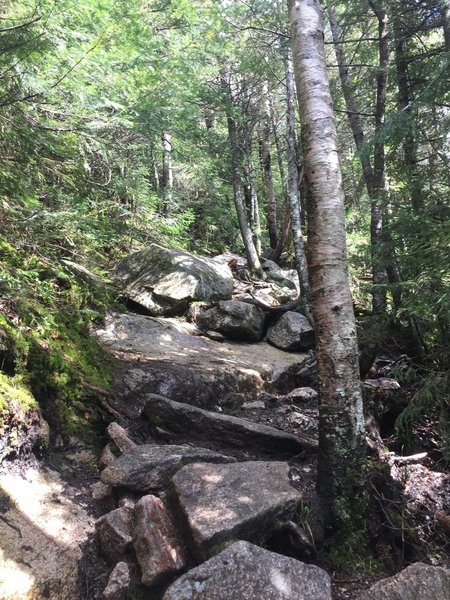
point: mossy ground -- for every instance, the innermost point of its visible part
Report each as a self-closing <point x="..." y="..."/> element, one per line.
<point x="48" y="359"/>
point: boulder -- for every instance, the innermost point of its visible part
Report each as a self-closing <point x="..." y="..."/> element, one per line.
<point x="234" y="319"/>
<point x="224" y="430"/>
<point x="416" y="582"/>
<point x="292" y="332"/>
<point x="246" y="500"/>
<point x="165" y="281"/>
<point x="246" y="572"/>
<point x="155" y="541"/>
<point x="114" y="532"/>
<point x="118" y="583"/>
<point x="283" y="277"/>
<point x="169" y="357"/>
<point x="151" y="467"/>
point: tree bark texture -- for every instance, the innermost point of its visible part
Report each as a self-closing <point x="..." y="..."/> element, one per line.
<point x="266" y="164"/>
<point x="341" y="423"/>
<point x="255" y="222"/>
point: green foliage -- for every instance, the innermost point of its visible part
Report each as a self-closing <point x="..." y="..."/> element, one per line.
<point x="45" y="342"/>
<point x="431" y="400"/>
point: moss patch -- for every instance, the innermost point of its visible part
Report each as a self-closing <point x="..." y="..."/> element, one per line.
<point x="46" y="312"/>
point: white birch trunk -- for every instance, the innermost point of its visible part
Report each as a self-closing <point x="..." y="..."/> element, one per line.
<point x="341" y="423"/>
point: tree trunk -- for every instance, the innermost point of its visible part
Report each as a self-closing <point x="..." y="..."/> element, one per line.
<point x="341" y="422"/>
<point x="379" y="184"/>
<point x="252" y="198"/>
<point x="266" y="163"/>
<point x="167" y="174"/>
<point x="293" y="194"/>
<point x="253" y="262"/>
<point x="284" y="235"/>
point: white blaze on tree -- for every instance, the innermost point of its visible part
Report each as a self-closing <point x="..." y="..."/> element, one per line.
<point x="341" y="429"/>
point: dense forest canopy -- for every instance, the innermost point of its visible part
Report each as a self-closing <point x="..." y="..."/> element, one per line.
<point x="149" y="121"/>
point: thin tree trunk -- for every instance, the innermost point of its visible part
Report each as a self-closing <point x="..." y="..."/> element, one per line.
<point x="266" y="163"/>
<point x="251" y="193"/>
<point x="341" y="422"/>
<point x="379" y="183"/>
<point x="293" y="194"/>
<point x="284" y="235"/>
<point x="253" y="261"/>
<point x="167" y="174"/>
<point x="280" y="161"/>
<point x="154" y="169"/>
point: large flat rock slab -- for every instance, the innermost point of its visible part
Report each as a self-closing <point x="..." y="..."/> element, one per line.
<point x="236" y="501"/>
<point x="224" y="430"/>
<point x="246" y="572"/>
<point x="149" y="467"/>
<point x="168" y="357"/>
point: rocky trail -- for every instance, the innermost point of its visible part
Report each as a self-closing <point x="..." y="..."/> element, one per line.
<point x="204" y="489"/>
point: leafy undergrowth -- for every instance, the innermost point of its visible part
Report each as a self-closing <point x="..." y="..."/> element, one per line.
<point x="48" y="360"/>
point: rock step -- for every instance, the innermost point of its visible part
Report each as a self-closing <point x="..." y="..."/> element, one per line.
<point x="246" y="572"/>
<point x="225" y="430"/>
<point x="221" y="503"/>
<point x="149" y="467"/>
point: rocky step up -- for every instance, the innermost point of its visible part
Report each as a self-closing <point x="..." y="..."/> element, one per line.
<point x="219" y="503"/>
<point x="147" y="467"/>
<point x="224" y="430"/>
<point x="246" y="572"/>
<point x="169" y="357"/>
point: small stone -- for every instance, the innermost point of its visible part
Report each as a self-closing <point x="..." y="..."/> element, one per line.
<point x="118" y="583"/>
<point x="127" y="500"/>
<point x="120" y="437"/>
<point x="101" y="491"/>
<point x="257" y="404"/>
<point x="155" y="541"/>
<point x="107" y="456"/>
<point x="114" y="531"/>
<point x="283" y="410"/>
<point x="303" y="394"/>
